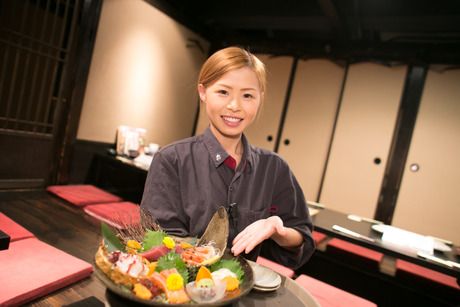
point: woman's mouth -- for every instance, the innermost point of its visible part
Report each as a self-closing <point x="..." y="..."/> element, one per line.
<point x="232" y="121"/>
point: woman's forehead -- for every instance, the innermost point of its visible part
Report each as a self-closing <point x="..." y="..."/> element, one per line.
<point x="243" y="78"/>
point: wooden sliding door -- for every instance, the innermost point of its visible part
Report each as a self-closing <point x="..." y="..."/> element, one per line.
<point x="362" y="138"/>
<point x="310" y="120"/>
<point x="429" y="199"/>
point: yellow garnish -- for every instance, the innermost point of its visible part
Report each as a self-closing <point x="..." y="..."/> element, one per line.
<point x="142" y="292"/>
<point x="133" y="244"/>
<point x="174" y="282"/>
<point x="232" y="283"/>
<point x="152" y="267"/>
<point x="168" y="242"/>
<point x="203" y="272"/>
<point x="185" y="245"/>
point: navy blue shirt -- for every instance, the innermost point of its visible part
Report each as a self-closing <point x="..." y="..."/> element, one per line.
<point x="188" y="181"/>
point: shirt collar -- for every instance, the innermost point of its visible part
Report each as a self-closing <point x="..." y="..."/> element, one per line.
<point x="218" y="154"/>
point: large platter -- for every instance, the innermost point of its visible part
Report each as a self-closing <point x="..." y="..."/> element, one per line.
<point x="244" y="289"/>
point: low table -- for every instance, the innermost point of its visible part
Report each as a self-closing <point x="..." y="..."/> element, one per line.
<point x="4" y="240"/>
<point x="326" y="218"/>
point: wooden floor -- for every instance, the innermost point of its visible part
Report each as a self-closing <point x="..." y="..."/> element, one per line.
<point x="32" y="209"/>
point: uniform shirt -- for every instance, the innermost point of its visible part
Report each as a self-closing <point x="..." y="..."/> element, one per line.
<point x="188" y="181"/>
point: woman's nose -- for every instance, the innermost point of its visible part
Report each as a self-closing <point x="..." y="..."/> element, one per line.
<point x="234" y="104"/>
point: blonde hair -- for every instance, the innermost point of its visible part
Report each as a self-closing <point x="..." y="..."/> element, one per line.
<point x="228" y="59"/>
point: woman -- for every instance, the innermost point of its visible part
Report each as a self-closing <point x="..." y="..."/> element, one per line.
<point x="190" y="179"/>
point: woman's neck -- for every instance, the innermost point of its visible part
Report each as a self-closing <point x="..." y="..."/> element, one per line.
<point x="232" y="145"/>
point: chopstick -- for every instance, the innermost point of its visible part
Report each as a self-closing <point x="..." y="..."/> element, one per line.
<point x="351" y="233"/>
<point x="315" y="204"/>
<point x="358" y="218"/>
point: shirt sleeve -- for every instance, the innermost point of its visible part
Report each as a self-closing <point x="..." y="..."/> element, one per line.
<point x="291" y="207"/>
<point x="162" y="197"/>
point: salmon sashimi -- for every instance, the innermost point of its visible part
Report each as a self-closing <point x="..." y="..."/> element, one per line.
<point x="174" y="297"/>
<point x="196" y="255"/>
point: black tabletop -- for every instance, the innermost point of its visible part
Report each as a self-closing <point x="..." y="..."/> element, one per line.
<point x="4" y="240"/>
<point x="326" y="218"/>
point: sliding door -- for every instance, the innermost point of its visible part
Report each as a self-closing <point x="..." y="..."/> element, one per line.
<point x="309" y="121"/>
<point x="429" y="200"/>
<point x="362" y="138"/>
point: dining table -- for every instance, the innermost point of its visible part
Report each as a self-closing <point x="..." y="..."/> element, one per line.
<point x="362" y="232"/>
<point x="69" y="229"/>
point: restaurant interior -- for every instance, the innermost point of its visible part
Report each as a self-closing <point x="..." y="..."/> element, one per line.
<point x="363" y="103"/>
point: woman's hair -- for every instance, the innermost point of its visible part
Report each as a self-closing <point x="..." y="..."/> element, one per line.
<point x="228" y="59"/>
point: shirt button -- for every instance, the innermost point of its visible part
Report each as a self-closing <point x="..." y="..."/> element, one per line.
<point x="230" y="189"/>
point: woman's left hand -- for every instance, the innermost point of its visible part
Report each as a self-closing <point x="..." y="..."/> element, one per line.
<point x="256" y="233"/>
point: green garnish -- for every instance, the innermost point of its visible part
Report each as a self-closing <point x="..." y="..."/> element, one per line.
<point x="111" y="241"/>
<point x="152" y="239"/>
<point x="231" y="264"/>
<point x="172" y="261"/>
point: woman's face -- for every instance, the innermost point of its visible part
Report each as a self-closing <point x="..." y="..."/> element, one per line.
<point x="232" y="102"/>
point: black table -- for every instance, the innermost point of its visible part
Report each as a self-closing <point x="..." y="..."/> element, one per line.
<point x="4" y="240"/>
<point x="326" y="218"/>
<point x="118" y="175"/>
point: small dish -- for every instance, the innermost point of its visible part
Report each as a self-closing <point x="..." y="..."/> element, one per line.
<point x="264" y="278"/>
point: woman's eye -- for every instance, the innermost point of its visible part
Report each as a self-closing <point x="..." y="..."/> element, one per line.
<point x="222" y="92"/>
<point x="248" y="96"/>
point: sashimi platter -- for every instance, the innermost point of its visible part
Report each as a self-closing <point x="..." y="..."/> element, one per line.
<point x="145" y="264"/>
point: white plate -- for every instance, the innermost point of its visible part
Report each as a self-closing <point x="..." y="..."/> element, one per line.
<point x="437" y="245"/>
<point x="264" y="278"/>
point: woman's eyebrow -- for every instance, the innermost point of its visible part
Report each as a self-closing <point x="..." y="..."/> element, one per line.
<point x="229" y="87"/>
<point x="224" y="85"/>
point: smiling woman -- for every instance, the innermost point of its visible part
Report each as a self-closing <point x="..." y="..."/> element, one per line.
<point x="190" y="179"/>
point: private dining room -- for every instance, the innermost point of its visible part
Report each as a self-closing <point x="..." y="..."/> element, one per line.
<point x="133" y="168"/>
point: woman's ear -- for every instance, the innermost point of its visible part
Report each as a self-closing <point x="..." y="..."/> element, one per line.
<point x="202" y="92"/>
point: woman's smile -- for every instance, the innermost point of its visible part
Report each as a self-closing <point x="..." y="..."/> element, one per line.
<point x="231" y="121"/>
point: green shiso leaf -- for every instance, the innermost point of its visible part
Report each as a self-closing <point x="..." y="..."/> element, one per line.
<point x="152" y="239"/>
<point x="111" y="241"/>
<point x="231" y="264"/>
<point x="173" y="261"/>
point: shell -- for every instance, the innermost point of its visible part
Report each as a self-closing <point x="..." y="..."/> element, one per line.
<point x="217" y="234"/>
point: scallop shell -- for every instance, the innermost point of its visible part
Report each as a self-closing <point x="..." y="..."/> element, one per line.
<point x="217" y="234"/>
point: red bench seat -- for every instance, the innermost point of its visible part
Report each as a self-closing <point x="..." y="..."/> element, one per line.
<point x="31" y="269"/>
<point x="407" y="270"/>
<point x="330" y="296"/>
<point x="82" y="194"/>
<point x="13" y="229"/>
<point x="119" y="215"/>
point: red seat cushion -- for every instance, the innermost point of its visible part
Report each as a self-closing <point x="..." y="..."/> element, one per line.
<point x="280" y="269"/>
<point x="13" y="229"/>
<point x="119" y="215"/>
<point x="421" y="272"/>
<point x="362" y="252"/>
<point x="31" y="268"/>
<point x="330" y="296"/>
<point x="318" y="236"/>
<point x="81" y="195"/>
